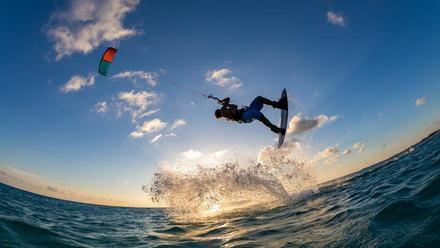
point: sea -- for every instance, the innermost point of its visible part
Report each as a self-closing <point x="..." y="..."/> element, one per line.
<point x="395" y="203"/>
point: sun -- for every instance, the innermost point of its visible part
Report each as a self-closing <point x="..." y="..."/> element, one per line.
<point x="214" y="208"/>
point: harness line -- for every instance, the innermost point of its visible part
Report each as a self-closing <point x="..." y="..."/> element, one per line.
<point x="210" y="96"/>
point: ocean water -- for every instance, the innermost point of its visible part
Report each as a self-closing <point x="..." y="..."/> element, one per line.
<point x="395" y="203"/>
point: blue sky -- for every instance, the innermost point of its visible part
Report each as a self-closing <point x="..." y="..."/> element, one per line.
<point x="353" y="71"/>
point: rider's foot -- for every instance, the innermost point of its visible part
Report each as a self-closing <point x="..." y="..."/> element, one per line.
<point x="278" y="130"/>
<point x="282" y="131"/>
<point x="280" y="104"/>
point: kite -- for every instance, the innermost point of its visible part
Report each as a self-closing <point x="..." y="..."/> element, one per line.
<point x="106" y="60"/>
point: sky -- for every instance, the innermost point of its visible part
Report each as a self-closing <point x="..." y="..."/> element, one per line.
<point x="362" y="80"/>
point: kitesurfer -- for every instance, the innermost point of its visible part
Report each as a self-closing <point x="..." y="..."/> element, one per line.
<point x="248" y="114"/>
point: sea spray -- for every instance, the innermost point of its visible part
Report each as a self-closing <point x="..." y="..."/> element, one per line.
<point x="193" y="191"/>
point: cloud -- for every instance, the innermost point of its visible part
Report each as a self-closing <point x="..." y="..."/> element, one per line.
<point x="347" y="152"/>
<point x="156" y="138"/>
<point x="148" y="127"/>
<point x="336" y="19"/>
<point x="26" y="150"/>
<point x="51" y="188"/>
<point x="328" y="155"/>
<point x="300" y="124"/>
<point x="101" y="107"/>
<point x="137" y="103"/>
<point x="178" y="123"/>
<point x="78" y="82"/>
<point x="85" y="25"/>
<point x="220" y="153"/>
<point x="421" y="101"/>
<point x="192" y="154"/>
<point x="149" y="77"/>
<point x="328" y="152"/>
<point x="160" y="136"/>
<point x="332" y="159"/>
<point x="360" y="146"/>
<point x="291" y="149"/>
<point x="223" y="79"/>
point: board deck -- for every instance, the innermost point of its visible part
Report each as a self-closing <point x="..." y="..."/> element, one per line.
<point x="284" y="115"/>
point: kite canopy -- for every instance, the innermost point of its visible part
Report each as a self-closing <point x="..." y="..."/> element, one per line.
<point x="106" y="60"/>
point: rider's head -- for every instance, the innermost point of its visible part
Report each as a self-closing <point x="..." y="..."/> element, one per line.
<point x="218" y="113"/>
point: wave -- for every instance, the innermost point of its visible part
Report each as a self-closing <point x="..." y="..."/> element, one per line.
<point x="29" y="233"/>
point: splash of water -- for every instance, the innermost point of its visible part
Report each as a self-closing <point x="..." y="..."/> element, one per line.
<point x="197" y="191"/>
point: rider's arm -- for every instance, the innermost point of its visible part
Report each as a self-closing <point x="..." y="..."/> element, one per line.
<point x="229" y="106"/>
<point x="225" y="101"/>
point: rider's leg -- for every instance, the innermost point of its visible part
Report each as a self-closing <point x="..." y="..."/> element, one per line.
<point x="275" y="104"/>
<point x="268" y="124"/>
<point x="265" y="100"/>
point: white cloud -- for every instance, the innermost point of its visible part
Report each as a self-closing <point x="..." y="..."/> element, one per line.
<point x="328" y="152"/>
<point x="291" y="149"/>
<point x="192" y="154"/>
<point x="88" y="24"/>
<point x="336" y="19"/>
<point x="360" y="146"/>
<point x="178" y="123"/>
<point x="24" y="150"/>
<point x="223" y="79"/>
<point x="332" y="159"/>
<point x="149" y="77"/>
<point x="421" y="101"/>
<point x="101" y="107"/>
<point x="148" y="113"/>
<point x="220" y="153"/>
<point x="156" y="138"/>
<point x="347" y="152"/>
<point x="300" y="124"/>
<point x="328" y="155"/>
<point x="160" y="136"/>
<point x="148" y="127"/>
<point x="137" y="103"/>
<point x="78" y="82"/>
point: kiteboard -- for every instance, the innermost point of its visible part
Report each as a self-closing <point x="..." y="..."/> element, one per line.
<point x="284" y="115"/>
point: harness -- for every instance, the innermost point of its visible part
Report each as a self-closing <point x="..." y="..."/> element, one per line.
<point x="242" y="110"/>
<point x="237" y="117"/>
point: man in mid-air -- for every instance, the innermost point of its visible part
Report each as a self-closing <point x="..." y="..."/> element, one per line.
<point x="248" y="114"/>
